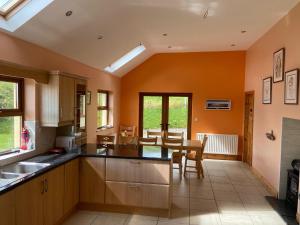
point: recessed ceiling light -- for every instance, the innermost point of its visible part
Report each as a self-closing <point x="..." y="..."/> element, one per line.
<point x="205" y="15"/>
<point x="165" y="34"/>
<point x="233" y="45"/>
<point x="169" y="46"/>
<point x="100" y="37"/>
<point x="243" y="31"/>
<point x="69" y="13"/>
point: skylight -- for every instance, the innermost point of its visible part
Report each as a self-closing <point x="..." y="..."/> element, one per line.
<point x="6" y="6"/>
<point x="125" y="59"/>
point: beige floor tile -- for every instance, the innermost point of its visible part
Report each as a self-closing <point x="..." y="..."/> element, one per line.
<point x="142" y="217"/>
<point x="227" y="196"/>
<point x="226" y="207"/>
<point x="180" y="202"/>
<point x="114" y="219"/>
<point x="178" y="216"/>
<point x="203" y="204"/>
<point x="223" y="187"/>
<point x="218" y="173"/>
<point x="81" y="218"/>
<point x="229" y="219"/>
<point x="140" y="222"/>
<point x="204" y="218"/>
<point x="222" y="180"/>
<point x="181" y="190"/>
<point x="201" y="192"/>
<point x="267" y="219"/>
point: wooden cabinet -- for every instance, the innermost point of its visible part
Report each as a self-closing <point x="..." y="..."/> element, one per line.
<point x="71" y="196"/>
<point x="57" y="101"/>
<point x="137" y="194"/>
<point x="92" y="180"/>
<point x="142" y="171"/>
<point x="7" y="208"/>
<point x="54" y="196"/>
<point x="29" y="202"/>
<point x="40" y="201"/>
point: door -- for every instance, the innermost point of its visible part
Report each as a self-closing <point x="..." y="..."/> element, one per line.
<point x="248" y="127"/>
<point x="67" y="98"/>
<point x="165" y="112"/>
<point x="29" y="202"/>
<point x="7" y="208"/>
<point x="54" y="196"/>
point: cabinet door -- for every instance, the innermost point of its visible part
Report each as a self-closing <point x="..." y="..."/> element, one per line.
<point x="92" y="175"/>
<point x="71" y="197"/>
<point x="156" y="196"/>
<point x="66" y="99"/>
<point x="122" y="193"/>
<point x="54" y="196"/>
<point x="29" y="202"/>
<point x="7" y="208"/>
<point x="156" y="172"/>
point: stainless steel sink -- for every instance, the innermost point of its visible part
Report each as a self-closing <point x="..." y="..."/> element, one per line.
<point x="25" y="167"/>
<point x="9" y="176"/>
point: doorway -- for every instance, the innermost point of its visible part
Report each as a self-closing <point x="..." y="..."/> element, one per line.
<point x="248" y="127"/>
<point x="165" y="112"/>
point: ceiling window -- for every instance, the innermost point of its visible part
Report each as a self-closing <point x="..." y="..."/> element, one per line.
<point x="11" y="113"/>
<point x="125" y="59"/>
<point x="6" y="6"/>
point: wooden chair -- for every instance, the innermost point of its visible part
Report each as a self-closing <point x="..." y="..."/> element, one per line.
<point x="147" y="141"/>
<point x="127" y="131"/>
<point x="174" y="135"/>
<point x="196" y="156"/>
<point x="176" y="145"/>
<point x="105" y="140"/>
<point x="154" y="134"/>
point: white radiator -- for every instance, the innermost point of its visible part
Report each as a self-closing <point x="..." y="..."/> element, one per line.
<point x="225" y="144"/>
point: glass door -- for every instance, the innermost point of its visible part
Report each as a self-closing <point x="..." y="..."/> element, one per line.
<point x="165" y="112"/>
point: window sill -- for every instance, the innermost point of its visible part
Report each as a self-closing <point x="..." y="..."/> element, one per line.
<point x="104" y="128"/>
<point x="16" y="154"/>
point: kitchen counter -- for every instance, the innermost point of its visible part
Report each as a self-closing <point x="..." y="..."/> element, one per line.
<point x="51" y="161"/>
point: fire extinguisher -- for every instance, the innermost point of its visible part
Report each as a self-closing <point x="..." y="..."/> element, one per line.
<point x="24" y="138"/>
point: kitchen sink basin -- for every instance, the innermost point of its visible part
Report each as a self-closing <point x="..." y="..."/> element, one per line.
<point x="8" y="176"/>
<point x="25" y="167"/>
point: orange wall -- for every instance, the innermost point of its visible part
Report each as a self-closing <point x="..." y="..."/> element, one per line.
<point x="24" y="53"/>
<point x="210" y="75"/>
<point x="286" y="33"/>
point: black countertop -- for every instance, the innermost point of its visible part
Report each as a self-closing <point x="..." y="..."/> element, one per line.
<point x="89" y="150"/>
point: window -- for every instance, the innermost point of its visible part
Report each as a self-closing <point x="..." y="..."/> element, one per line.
<point x="11" y="112"/>
<point x="125" y="59"/>
<point x="6" y="6"/>
<point x="103" y="109"/>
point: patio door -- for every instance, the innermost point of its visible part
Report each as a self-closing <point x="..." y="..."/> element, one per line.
<point x="165" y="112"/>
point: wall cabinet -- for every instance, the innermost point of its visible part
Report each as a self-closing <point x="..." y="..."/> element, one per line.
<point x="92" y="180"/>
<point x="71" y="198"/>
<point x="40" y="201"/>
<point x="57" y="101"/>
<point x="7" y="208"/>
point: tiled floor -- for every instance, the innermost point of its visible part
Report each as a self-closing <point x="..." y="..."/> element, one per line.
<point x="228" y="195"/>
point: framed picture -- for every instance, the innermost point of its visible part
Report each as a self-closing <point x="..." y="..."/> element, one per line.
<point x="88" y="97"/>
<point x="267" y="91"/>
<point x="291" y="87"/>
<point x="278" y="65"/>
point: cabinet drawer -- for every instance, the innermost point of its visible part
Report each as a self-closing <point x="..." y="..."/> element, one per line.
<point x="139" y="171"/>
<point x="137" y="194"/>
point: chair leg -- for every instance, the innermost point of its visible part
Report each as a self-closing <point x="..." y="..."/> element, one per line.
<point x="198" y="169"/>
<point x="201" y="168"/>
<point x="180" y="169"/>
<point x="185" y="164"/>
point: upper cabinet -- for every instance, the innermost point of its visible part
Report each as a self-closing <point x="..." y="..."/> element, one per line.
<point x="57" y="100"/>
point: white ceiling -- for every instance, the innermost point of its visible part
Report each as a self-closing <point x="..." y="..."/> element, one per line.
<point x="126" y="23"/>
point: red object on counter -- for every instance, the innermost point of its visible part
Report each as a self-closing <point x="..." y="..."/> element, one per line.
<point x="24" y="138"/>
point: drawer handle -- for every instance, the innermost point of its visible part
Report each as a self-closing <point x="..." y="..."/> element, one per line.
<point x="135" y="162"/>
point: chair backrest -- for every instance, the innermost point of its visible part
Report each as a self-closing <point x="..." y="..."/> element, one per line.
<point x="157" y="134"/>
<point x="203" y="144"/>
<point x="177" y="135"/>
<point x="147" y="141"/>
<point x="105" y="139"/>
<point x="128" y="131"/>
<point x="172" y="143"/>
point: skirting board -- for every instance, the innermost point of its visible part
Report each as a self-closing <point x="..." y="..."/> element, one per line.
<point x="219" y="156"/>
<point x="266" y="183"/>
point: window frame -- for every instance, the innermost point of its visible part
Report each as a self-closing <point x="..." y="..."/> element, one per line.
<point x="102" y="108"/>
<point x="12" y="8"/>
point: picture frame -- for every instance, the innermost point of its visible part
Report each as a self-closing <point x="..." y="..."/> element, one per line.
<point x="278" y="65"/>
<point x="88" y="97"/>
<point x="291" y="87"/>
<point x="267" y="91"/>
